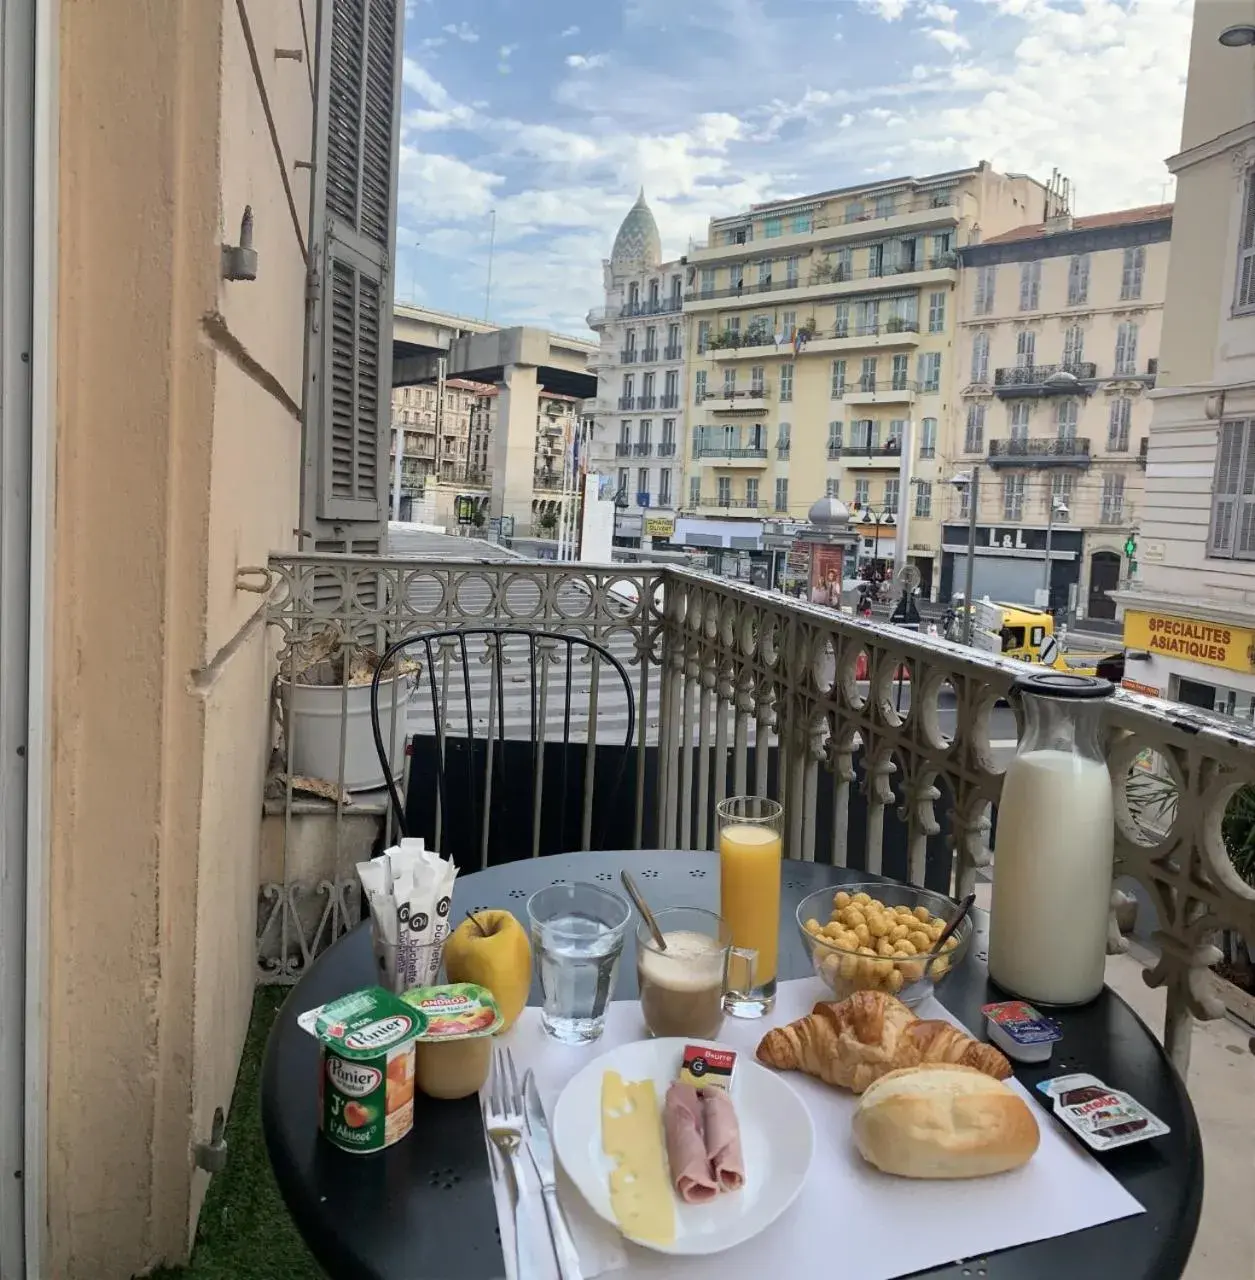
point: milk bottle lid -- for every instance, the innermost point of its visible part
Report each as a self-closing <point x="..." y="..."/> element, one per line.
<point x="1063" y="684"/>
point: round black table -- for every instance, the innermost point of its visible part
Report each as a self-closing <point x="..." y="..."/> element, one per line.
<point x="399" y="1215"/>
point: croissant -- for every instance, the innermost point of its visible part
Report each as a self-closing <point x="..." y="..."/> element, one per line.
<point x="868" y="1035"/>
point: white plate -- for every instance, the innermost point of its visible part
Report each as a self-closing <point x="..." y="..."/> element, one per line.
<point x="777" y="1138"/>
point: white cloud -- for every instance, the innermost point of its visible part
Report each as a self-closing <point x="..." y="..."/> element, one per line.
<point x="461" y="31"/>
<point x="586" y="61"/>
<point x="949" y="40"/>
<point x="567" y="32"/>
<point x="941" y="13"/>
<point x="506" y="50"/>
<point x="889" y="10"/>
<point x="431" y="42"/>
<point x="444" y="186"/>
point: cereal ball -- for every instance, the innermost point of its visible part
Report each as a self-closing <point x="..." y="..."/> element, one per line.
<point x="913" y="970"/>
<point x="812" y="926"/>
<point x="898" y="932"/>
<point x="896" y="981"/>
<point x="935" y="929"/>
<point x="848" y="966"/>
<point x="861" y="898"/>
<point x="866" y="951"/>
<point x="833" y="931"/>
<point x="884" y="947"/>
<point x="830" y="968"/>
<point x="905" y="947"/>
<point x="950" y="943"/>
<point x="940" y="966"/>
<point x="923" y="915"/>
<point x="842" y="899"/>
<point x="920" y="941"/>
<point x="877" y="925"/>
<point x="863" y="934"/>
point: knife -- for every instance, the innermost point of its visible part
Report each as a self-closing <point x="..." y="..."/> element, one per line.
<point x="540" y="1148"/>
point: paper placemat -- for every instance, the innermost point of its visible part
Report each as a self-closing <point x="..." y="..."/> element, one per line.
<point x="1062" y="1189"/>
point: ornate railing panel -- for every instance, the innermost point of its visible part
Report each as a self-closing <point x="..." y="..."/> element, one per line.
<point x="721" y="666"/>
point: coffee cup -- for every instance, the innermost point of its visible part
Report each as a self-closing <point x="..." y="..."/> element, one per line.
<point x="683" y="985"/>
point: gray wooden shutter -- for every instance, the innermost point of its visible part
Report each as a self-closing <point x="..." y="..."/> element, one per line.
<point x="352" y="231"/>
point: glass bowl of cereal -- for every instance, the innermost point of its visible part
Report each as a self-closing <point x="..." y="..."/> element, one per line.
<point x="881" y="937"/>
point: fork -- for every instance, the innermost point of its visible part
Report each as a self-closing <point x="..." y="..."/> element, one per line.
<point x="505" y="1128"/>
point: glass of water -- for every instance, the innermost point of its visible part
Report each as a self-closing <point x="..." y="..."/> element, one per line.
<point x="577" y="940"/>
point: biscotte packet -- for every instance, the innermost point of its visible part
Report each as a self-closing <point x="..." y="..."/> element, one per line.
<point x="410" y="891"/>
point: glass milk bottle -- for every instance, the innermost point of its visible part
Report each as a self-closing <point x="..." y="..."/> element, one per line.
<point x="1054" y="846"/>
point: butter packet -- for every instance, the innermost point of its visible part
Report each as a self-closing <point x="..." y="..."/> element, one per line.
<point x="455" y="1011"/>
<point x="1102" y="1117"/>
<point x="707" y="1068"/>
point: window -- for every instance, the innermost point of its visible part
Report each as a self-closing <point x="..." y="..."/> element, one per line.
<point x="1013" y="498"/>
<point x="751" y="492"/>
<point x="1126" y="349"/>
<point x="1019" y="420"/>
<point x="756" y="380"/>
<point x="841" y="328"/>
<point x="634" y="296"/>
<point x="1233" y="492"/>
<point x="983" y="304"/>
<point x="786" y="382"/>
<point x="790" y="272"/>
<point x="782" y="493"/>
<point x="1078" y="280"/>
<point x="1030" y="285"/>
<point x="900" y="369"/>
<point x="845" y="264"/>
<point x="623" y="481"/>
<point x="673" y="341"/>
<point x="708" y="282"/>
<point x="664" y="488"/>
<point x="928" y="438"/>
<point x="1246" y="249"/>
<point x="838" y="379"/>
<point x="723" y="490"/>
<point x="1131" y="275"/>
<point x="863" y="433"/>
<point x="834" y="439"/>
<point x="655" y="293"/>
<point x="974" y="433"/>
<point x="699" y="385"/>
<point x="862" y="491"/>
<point x="647" y="390"/>
<point x="1062" y="484"/>
<point x="1118" y="425"/>
<point x="671" y="387"/>
<point x="876" y="260"/>
<point x="764" y="273"/>
<point x="867" y="377"/>
<point x="892" y="489"/>
<point x="897" y="429"/>
<point x="943" y="242"/>
<point x="902" y="314"/>
<point x="736" y="276"/>
<point x="695" y="491"/>
<point x="854" y="211"/>
<point x="677" y="290"/>
<point x="980" y="358"/>
<point x="802" y="224"/>
<point x="1065" y="420"/>
<point x="729" y="384"/>
<point x="937" y="311"/>
<point x="644" y="431"/>
<point x="923" y="499"/>
<point x="772" y="228"/>
<point x="642" y="487"/>
<point x="788" y="324"/>
<point x="651" y="343"/>
<point x="867" y="317"/>
<point x="668" y="432"/>
<point x="703" y="336"/>
<point x="965" y="502"/>
<point x="629" y="386"/>
<point x="832" y="487"/>
<point x="1112" y="500"/>
<point x="929" y="371"/>
<point x="629" y="345"/>
<point x="884" y="206"/>
<point x="784" y="438"/>
<point x="1025" y="348"/>
<point x="1073" y="346"/>
<point x="625" y="433"/>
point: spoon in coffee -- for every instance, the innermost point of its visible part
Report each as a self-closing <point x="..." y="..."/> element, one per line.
<point x="643" y="907"/>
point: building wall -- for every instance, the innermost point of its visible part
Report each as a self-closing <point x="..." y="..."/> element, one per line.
<point x="831" y="239"/>
<point x="1082" y="480"/>
<point x="178" y="447"/>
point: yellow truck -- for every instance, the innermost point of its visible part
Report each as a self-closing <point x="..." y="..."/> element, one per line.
<point x="1018" y="631"/>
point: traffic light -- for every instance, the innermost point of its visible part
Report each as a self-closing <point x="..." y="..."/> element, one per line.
<point x="1130" y="546"/>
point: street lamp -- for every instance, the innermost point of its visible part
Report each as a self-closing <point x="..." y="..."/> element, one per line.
<point x="970" y="481"/>
<point x="885" y="516"/>
<point x="1057" y="507"/>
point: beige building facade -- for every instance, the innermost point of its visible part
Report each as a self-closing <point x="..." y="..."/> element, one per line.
<point x="1058" y="339"/>
<point x="1190" y="608"/>
<point x="821" y="344"/>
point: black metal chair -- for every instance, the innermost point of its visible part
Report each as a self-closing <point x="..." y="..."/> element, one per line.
<point x="486" y="783"/>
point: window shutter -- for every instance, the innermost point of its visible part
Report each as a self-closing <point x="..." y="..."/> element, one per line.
<point x="1225" y="493"/>
<point x="1246" y="249"/>
<point x="1244" y="539"/>
<point x="349" y="343"/>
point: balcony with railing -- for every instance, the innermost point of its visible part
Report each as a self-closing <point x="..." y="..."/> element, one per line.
<point x="642" y="449"/>
<point x="835" y="280"/>
<point x="646" y="402"/>
<point x="673" y="351"/>
<point x="743" y="690"/>
<point x="1040" y="451"/>
<point x="1034" y="380"/>
<point x="730" y="401"/>
<point x="659" y="307"/>
<point x="629" y="355"/>
<point x="717" y="504"/>
<point x="666" y="449"/>
<point x="871" y="457"/>
<point x="623" y="449"/>
<point x="650" y="355"/>
<point x="719" y="455"/>
<point x="881" y="391"/>
<point x="626" y="402"/>
<point x="669" y="401"/>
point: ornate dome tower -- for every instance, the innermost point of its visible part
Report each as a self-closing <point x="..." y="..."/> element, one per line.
<point x="638" y="243"/>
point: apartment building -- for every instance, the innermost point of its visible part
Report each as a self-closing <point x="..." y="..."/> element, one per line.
<point x="436" y="424"/>
<point x="1058" y="339"/>
<point x="638" y="416"/>
<point x="821" y="330"/>
<point x="1189" y="611"/>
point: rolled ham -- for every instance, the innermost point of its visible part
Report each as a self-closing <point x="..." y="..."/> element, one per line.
<point x="723" y="1139"/>
<point x="682" y="1122"/>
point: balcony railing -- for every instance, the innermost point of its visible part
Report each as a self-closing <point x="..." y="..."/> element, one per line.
<point x="1041" y="451"/>
<point x="892" y="448"/>
<point x="862" y="784"/>
<point x="673" y="351"/>
<point x="626" y="402"/>
<point x="783" y="451"/>
<point x="646" y="402"/>
<point x="666" y="449"/>
<point x="874" y="330"/>
<point x="548" y="481"/>
<point x="1142" y="450"/>
<point x="662" y="307"/>
<point x="864" y="386"/>
<point x="722" y="451"/>
<point x="642" y="449"/>
<point x="671" y="401"/>
<point x="726" y="393"/>
<point x="1045" y="379"/>
<point x="736" y="504"/>
<point x="649" y="355"/>
<point x="838" y="275"/>
<point x="623" y="449"/>
<point x="834" y="450"/>
<point x="628" y="355"/>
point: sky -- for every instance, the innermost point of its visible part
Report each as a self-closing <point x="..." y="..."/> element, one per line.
<point x="552" y="114"/>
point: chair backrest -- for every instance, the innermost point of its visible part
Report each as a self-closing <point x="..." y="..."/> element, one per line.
<point x="524" y="732"/>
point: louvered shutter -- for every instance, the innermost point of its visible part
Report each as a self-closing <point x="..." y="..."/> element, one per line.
<point x="1225" y="491"/>
<point x="353" y="227"/>
<point x="1246" y="249"/>
<point x="1244" y="536"/>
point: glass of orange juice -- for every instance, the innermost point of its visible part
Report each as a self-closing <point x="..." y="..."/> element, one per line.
<point x="750" y="829"/>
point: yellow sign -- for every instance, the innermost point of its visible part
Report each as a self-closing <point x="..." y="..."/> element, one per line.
<point x="659" y="527"/>
<point x="1193" y="639"/>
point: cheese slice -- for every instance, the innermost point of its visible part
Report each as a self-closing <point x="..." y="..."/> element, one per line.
<point x="631" y="1135"/>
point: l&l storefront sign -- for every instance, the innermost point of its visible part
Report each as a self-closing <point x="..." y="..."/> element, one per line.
<point x="1214" y="643"/>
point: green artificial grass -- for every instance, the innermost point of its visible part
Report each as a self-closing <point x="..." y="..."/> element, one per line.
<point x="245" y="1232"/>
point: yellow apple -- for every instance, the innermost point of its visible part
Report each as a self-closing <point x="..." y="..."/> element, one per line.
<point x="492" y="951"/>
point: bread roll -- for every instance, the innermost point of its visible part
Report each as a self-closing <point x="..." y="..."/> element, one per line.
<point x="943" y="1121"/>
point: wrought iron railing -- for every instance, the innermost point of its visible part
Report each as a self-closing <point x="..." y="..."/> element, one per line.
<point x="1049" y="450"/>
<point x="720" y="668"/>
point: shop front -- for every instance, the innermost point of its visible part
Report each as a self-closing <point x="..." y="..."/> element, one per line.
<point x="1010" y="563"/>
<point x="1206" y="662"/>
